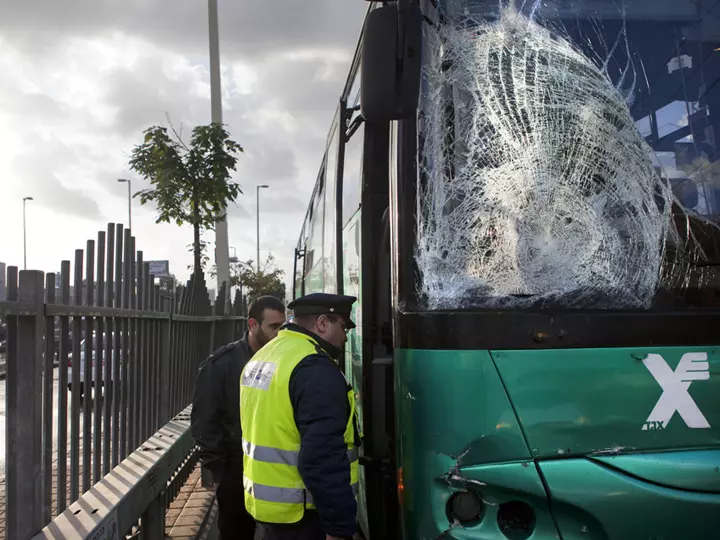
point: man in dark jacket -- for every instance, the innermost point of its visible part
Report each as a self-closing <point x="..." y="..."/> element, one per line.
<point x="216" y="415"/>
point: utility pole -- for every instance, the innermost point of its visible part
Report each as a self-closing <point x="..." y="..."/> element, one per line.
<point x="222" y="243"/>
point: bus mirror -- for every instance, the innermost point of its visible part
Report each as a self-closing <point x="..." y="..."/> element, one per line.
<point x="391" y="61"/>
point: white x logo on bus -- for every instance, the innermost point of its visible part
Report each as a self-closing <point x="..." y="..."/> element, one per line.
<point x="675" y="385"/>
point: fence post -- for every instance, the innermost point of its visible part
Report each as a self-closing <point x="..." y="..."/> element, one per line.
<point x="24" y="414"/>
<point x="165" y="358"/>
<point x="47" y="397"/>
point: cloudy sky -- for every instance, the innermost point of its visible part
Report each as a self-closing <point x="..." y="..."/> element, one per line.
<point x="83" y="78"/>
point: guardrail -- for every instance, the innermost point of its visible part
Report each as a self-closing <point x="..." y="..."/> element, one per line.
<point x="69" y="426"/>
<point x="138" y="490"/>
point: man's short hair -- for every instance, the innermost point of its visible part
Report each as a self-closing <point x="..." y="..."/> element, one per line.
<point x="258" y="307"/>
<point x="306" y="321"/>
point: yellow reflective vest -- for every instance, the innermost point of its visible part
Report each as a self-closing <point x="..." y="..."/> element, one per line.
<point x="274" y="489"/>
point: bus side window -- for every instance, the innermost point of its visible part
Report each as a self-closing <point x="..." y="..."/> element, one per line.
<point x="314" y="246"/>
<point x="352" y="174"/>
<point x="329" y="252"/>
<point x="299" y="267"/>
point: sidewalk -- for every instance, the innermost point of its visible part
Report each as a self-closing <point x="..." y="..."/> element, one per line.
<point x="189" y="511"/>
<point x="211" y="532"/>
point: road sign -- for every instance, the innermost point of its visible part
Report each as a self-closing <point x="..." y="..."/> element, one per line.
<point x="160" y="268"/>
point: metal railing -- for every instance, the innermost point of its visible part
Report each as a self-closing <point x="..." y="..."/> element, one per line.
<point x="127" y="351"/>
<point x="142" y="486"/>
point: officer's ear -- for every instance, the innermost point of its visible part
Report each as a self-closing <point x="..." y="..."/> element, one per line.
<point x="322" y="322"/>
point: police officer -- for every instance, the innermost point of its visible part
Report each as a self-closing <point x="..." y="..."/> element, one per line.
<point x="300" y="430"/>
<point x="216" y="415"/>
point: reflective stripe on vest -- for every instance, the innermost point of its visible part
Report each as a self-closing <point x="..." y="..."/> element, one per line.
<point x="269" y="454"/>
<point x="281" y="495"/>
<point x="274" y="489"/>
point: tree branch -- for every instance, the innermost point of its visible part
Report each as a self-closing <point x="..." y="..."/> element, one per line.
<point x="178" y="136"/>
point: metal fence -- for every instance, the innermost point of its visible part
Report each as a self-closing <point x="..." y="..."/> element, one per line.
<point x="126" y="350"/>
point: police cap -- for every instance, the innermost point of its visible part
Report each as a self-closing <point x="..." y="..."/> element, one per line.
<point x="324" y="304"/>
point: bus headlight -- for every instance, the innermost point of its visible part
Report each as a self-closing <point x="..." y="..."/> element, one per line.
<point x="466" y="507"/>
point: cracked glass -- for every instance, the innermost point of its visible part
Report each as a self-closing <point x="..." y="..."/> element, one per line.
<point x="568" y="155"/>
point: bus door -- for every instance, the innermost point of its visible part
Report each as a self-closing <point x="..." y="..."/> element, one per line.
<point x="366" y="275"/>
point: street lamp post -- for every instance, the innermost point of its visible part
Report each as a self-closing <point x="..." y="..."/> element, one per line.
<point x="129" y="183"/>
<point x="25" y="199"/>
<point x="257" y="197"/>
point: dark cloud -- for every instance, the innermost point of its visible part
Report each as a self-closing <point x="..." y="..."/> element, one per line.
<point x="144" y="95"/>
<point x="37" y="168"/>
<point x="35" y="105"/>
<point x="286" y="204"/>
<point x="249" y="29"/>
<point x="268" y="164"/>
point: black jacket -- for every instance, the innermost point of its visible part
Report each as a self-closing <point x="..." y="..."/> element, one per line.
<point x="318" y="393"/>
<point x="216" y="407"/>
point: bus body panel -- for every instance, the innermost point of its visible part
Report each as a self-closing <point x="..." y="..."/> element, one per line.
<point x="560" y="430"/>
<point x="591" y="500"/>
<point x="453" y="415"/>
<point x="608" y="401"/>
<point x="694" y="470"/>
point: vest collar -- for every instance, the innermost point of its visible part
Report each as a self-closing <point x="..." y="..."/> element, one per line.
<point x="330" y="349"/>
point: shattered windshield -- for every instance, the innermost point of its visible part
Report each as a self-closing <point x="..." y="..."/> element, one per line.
<point x="569" y="155"/>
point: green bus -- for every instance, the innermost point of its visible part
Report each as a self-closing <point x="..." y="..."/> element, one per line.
<point x="524" y="197"/>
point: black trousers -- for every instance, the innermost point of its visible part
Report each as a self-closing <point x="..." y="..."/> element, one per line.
<point x="234" y="522"/>
<point x="308" y="528"/>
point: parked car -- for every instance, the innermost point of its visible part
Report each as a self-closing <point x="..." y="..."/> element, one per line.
<point x="80" y="365"/>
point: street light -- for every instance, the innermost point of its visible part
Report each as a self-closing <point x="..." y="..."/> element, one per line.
<point x="129" y="183"/>
<point x="257" y="193"/>
<point x="25" y="199"/>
